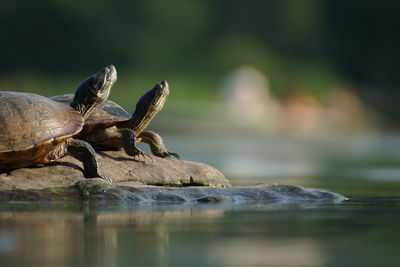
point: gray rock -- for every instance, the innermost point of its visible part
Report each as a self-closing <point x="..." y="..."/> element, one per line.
<point x="259" y="193"/>
<point x="97" y="189"/>
<point x="120" y="168"/>
<point x="140" y="182"/>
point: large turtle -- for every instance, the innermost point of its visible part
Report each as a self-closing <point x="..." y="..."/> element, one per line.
<point x="36" y="130"/>
<point x="112" y="127"/>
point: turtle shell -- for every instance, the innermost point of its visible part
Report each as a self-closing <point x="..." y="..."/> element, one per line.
<point x="107" y="114"/>
<point x="31" y="126"/>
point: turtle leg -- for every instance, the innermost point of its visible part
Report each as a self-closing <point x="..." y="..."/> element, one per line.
<point x="128" y="138"/>
<point x="156" y="144"/>
<point x="84" y="152"/>
<point x="113" y="137"/>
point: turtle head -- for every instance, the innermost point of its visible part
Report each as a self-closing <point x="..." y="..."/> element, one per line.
<point x="149" y="105"/>
<point x="94" y="90"/>
<point x="156" y="97"/>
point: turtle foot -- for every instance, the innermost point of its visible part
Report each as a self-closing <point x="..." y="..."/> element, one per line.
<point x="139" y="154"/>
<point x="105" y="177"/>
<point x="168" y="154"/>
<point x="99" y="175"/>
<point x="174" y="154"/>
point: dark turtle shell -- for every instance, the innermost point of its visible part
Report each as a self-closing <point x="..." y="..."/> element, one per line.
<point x="31" y="126"/>
<point x="107" y="114"/>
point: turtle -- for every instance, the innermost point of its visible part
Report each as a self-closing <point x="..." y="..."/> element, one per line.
<point x="111" y="127"/>
<point x="37" y="130"/>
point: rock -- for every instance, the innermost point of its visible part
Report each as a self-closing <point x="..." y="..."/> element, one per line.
<point x="139" y="182"/>
<point x="89" y="189"/>
<point x="119" y="167"/>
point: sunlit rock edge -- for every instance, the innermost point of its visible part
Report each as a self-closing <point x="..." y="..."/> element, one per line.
<point x="119" y="168"/>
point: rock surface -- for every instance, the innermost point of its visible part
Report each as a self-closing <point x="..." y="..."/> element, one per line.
<point x="139" y="181"/>
<point x="99" y="190"/>
<point x="119" y="167"/>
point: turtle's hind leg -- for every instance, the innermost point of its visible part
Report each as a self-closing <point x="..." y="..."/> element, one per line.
<point x="156" y="144"/>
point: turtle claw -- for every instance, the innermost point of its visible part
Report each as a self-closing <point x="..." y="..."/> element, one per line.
<point x="170" y="153"/>
<point x="98" y="175"/>
<point x="139" y="153"/>
<point x="105" y="177"/>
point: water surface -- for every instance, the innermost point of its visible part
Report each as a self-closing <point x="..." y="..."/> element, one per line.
<point x="362" y="231"/>
<point x="359" y="232"/>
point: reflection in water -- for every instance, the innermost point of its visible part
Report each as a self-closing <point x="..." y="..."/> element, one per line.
<point x="7" y="242"/>
<point x="199" y="235"/>
<point x="57" y="237"/>
<point x="160" y="236"/>
<point x="241" y="252"/>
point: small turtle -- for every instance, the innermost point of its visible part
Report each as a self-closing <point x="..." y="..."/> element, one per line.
<point x="37" y="130"/>
<point x="112" y="127"/>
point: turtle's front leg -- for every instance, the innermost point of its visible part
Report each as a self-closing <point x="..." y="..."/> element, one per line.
<point x="82" y="151"/>
<point x="113" y="137"/>
<point x="156" y="144"/>
<point x="128" y="138"/>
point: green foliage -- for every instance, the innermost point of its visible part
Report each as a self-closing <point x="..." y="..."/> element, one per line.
<point x="312" y="42"/>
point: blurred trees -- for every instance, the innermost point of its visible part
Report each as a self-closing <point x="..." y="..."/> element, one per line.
<point x="288" y="39"/>
<point x="364" y="46"/>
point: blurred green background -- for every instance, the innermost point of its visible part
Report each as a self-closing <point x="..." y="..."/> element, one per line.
<point x="49" y="46"/>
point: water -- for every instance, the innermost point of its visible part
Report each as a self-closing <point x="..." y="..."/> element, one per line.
<point x="360" y="232"/>
<point x="363" y="231"/>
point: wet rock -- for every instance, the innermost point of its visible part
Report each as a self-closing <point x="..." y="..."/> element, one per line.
<point x="213" y="199"/>
<point x="139" y="193"/>
<point x="139" y="182"/>
<point x="259" y="193"/>
<point x="119" y="167"/>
